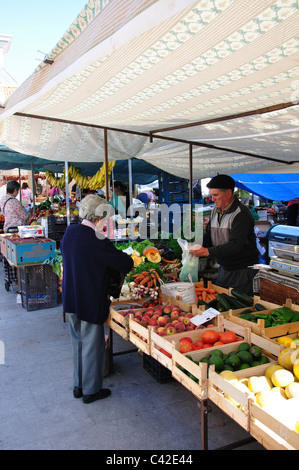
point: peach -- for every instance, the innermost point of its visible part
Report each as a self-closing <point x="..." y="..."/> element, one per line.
<point x="170" y="330"/>
<point x="186" y="321"/>
<point x="190" y="327"/>
<point x="181" y="318"/>
<point x="167" y="309"/>
<point x="152" y="321"/>
<point x="189" y="315"/>
<point x="174" y="314"/>
<point x="180" y="326"/>
<point x="161" y="330"/>
<point x="161" y="321"/>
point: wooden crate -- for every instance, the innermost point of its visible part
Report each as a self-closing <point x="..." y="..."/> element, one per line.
<point x="275" y="431"/>
<point x="259" y="327"/>
<point x="217" y="386"/>
<point x="168" y="342"/>
<point x="139" y="335"/>
<point x="118" y="322"/>
<point x="275" y="291"/>
<point x="180" y="360"/>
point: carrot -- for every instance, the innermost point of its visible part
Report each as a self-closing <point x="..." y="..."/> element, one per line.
<point x="204" y="295"/>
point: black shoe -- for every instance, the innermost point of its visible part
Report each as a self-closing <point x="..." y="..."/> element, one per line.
<point x="77" y="392"/>
<point x="104" y="393"/>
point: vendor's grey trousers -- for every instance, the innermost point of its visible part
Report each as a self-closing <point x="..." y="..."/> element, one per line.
<point x="239" y="279"/>
<point x="88" y="346"/>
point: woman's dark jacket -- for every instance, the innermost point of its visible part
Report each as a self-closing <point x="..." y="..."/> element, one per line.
<point x="88" y="264"/>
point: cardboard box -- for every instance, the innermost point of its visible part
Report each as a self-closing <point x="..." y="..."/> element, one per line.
<point x="4" y="242"/>
<point x="25" y="252"/>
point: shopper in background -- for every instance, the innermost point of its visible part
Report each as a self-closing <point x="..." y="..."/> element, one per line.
<point x="2" y="188"/>
<point x="293" y="212"/>
<point x="14" y="215"/>
<point x="120" y="199"/>
<point x="89" y="263"/>
<point x="26" y="196"/>
<point x="230" y="237"/>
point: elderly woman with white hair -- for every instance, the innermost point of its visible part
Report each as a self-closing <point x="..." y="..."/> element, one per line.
<point x="89" y="260"/>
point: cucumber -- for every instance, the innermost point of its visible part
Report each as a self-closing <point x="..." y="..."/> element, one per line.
<point x="246" y="299"/>
<point x="247" y="310"/>
<point x="260" y="307"/>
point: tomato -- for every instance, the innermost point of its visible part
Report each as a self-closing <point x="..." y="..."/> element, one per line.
<point x="207" y="345"/>
<point x="228" y="337"/>
<point x="199" y="344"/>
<point x="210" y="336"/>
<point x="185" y="345"/>
<point x="187" y="338"/>
<point x="218" y="343"/>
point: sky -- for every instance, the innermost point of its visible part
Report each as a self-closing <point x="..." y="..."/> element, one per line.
<point x="35" y="25"/>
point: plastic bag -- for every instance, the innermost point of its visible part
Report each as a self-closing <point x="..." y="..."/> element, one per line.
<point x="189" y="262"/>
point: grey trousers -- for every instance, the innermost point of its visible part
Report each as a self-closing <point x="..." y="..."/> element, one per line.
<point x="88" y="347"/>
<point x="239" y="279"/>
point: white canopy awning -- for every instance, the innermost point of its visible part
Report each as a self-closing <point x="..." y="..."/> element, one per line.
<point x="215" y="80"/>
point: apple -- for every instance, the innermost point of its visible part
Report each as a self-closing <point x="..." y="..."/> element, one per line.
<point x="170" y="330"/>
<point x="161" y="321"/>
<point x="186" y="321"/>
<point x="161" y="330"/>
<point x="180" y="326"/>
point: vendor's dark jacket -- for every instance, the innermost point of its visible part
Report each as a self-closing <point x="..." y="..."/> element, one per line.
<point x="231" y="239"/>
<point x="88" y="264"/>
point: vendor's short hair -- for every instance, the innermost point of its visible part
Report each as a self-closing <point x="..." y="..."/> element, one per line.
<point x="93" y="206"/>
<point x="11" y="186"/>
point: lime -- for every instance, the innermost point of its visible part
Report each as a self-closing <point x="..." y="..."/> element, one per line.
<point x="217" y="361"/>
<point x="244" y="366"/>
<point x="265" y="360"/>
<point x="256" y="352"/>
<point x="233" y="361"/>
<point x="205" y="359"/>
<point x="255" y="363"/>
<point x="243" y="347"/>
<point x="245" y="357"/>
<point x="216" y="352"/>
<point x="228" y="367"/>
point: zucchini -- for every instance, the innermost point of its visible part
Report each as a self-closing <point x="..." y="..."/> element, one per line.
<point x="223" y="302"/>
<point x="260" y="307"/>
<point x="234" y="303"/>
<point x="247" y="310"/>
<point x="246" y="299"/>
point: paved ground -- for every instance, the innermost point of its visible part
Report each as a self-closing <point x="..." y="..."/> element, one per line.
<point x="38" y="411"/>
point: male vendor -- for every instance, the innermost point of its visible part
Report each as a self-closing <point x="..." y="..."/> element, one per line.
<point x="230" y="237"/>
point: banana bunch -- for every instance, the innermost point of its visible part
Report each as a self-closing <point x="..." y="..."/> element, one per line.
<point x="95" y="182"/>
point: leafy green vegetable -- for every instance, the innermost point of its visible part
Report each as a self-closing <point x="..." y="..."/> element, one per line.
<point x="56" y="263"/>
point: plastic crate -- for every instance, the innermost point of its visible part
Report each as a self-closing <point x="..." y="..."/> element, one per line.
<point x="156" y="370"/>
<point x="38" y="287"/>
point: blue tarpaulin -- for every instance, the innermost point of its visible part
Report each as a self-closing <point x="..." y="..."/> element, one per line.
<point x="276" y="187"/>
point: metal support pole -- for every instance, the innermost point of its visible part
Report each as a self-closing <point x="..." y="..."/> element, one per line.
<point x="191" y="187"/>
<point x="33" y="188"/>
<point x="67" y="196"/>
<point x="106" y="163"/>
